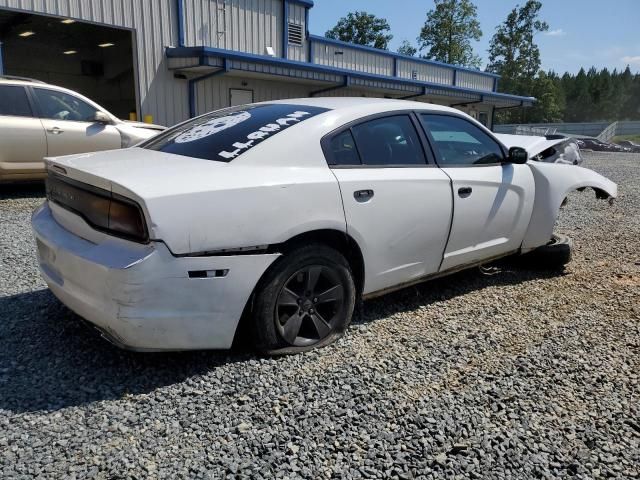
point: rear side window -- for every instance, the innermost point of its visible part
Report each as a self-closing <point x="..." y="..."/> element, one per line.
<point x="226" y="134"/>
<point x="389" y="141"/>
<point x="343" y="149"/>
<point x="14" y="101"/>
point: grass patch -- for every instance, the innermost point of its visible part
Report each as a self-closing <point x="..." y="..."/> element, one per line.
<point x="633" y="138"/>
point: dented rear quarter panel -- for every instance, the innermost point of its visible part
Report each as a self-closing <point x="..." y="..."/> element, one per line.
<point x="251" y="207"/>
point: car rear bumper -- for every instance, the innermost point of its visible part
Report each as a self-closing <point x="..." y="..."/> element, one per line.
<point x="141" y="296"/>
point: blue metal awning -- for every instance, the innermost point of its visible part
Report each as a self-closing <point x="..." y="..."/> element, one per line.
<point x="206" y="59"/>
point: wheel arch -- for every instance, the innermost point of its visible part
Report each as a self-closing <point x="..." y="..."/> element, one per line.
<point x="340" y="241"/>
<point x="553" y="182"/>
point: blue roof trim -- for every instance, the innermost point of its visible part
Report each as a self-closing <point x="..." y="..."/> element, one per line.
<point x="388" y="53"/>
<point x="304" y="3"/>
<point x="181" y="52"/>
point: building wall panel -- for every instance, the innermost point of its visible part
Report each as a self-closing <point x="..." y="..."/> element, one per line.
<point x="352" y="59"/>
<point x="243" y="25"/>
<point x="213" y="93"/>
<point x="154" y="24"/>
<point x="351" y="92"/>
<point x="425" y="72"/>
<point x="474" y="81"/>
<point x="297" y="16"/>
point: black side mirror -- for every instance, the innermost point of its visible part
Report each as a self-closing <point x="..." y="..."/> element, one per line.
<point x="518" y="155"/>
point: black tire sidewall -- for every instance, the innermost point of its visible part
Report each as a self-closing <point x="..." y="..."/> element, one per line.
<point x="267" y="338"/>
<point x="554" y="255"/>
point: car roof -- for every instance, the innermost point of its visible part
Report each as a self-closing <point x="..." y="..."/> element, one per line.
<point x="381" y="104"/>
<point x="9" y="79"/>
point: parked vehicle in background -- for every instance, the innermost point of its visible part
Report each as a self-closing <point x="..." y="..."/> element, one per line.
<point x="587" y="143"/>
<point x="549" y="149"/>
<point x="39" y="120"/>
<point x="635" y="147"/>
<point x="288" y="211"/>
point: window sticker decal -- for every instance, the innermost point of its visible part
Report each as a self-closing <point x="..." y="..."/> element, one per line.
<point x="212" y="127"/>
<point x="226" y="134"/>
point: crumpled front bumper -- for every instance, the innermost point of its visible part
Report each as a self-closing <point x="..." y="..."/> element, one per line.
<point x="141" y="296"/>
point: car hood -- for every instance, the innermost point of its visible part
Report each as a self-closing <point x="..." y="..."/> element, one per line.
<point x="534" y="145"/>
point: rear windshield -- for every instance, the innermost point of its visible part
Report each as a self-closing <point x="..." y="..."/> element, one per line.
<point x="226" y="134"/>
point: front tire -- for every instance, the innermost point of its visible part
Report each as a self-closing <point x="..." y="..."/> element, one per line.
<point x="554" y="255"/>
<point x="305" y="301"/>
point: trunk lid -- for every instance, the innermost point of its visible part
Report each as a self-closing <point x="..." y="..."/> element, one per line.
<point x="138" y="172"/>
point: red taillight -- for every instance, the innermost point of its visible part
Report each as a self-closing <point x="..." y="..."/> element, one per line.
<point x="103" y="210"/>
<point x="127" y="219"/>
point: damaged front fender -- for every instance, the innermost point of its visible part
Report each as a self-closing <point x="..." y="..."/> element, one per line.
<point x="553" y="183"/>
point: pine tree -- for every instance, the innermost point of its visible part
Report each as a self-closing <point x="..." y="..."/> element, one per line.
<point x="514" y="55"/>
<point x="362" y="28"/>
<point x="407" y="49"/>
<point x="447" y="33"/>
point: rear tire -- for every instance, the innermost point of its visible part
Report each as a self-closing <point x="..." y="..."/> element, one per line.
<point x="305" y="301"/>
<point x="554" y="255"/>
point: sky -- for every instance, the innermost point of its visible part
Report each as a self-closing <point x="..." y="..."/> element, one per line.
<point x="582" y="33"/>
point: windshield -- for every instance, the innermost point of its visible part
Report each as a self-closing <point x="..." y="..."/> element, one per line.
<point x="226" y="134"/>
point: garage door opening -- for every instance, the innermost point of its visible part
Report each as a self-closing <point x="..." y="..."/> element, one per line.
<point x="94" y="60"/>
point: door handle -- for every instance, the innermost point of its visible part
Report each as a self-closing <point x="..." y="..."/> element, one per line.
<point x="464" y="192"/>
<point x="362" y="195"/>
<point x="55" y="130"/>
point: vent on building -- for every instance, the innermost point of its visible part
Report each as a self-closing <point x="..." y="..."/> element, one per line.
<point x="414" y="74"/>
<point x="295" y="34"/>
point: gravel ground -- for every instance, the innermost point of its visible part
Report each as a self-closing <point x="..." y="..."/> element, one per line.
<point x="521" y="374"/>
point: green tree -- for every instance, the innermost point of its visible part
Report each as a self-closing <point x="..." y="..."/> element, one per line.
<point x="407" y="49"/>
<point x="514" y="54"/>
<point x="629" y="85"/>
<point x="579" y="100"/>
<point x="589" y="95"/>
<point x="448" y="31"/>
<point x="631" y="109"/>
<point x="547" y="108"/>
<point x="362" y="28"/>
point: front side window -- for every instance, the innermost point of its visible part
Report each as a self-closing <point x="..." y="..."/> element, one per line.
<point x="389" y="141"/>
<point x="14" y="101"/>
<point x="460" y="142"/>
<point x="226" y="134"/>
<point x="62" y="106"/>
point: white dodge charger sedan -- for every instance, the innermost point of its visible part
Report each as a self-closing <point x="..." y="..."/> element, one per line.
<point x="285" y="214"/>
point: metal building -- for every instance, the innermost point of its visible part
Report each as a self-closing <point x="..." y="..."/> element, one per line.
<point x="166" y="60"/>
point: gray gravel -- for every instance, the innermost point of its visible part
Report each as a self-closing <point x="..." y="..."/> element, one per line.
<point x="522" y="374"/>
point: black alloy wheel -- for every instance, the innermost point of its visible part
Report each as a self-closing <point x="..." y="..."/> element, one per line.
<point x="305" y="300"/>
<point x="309" y="305"/>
